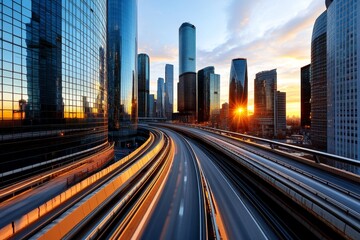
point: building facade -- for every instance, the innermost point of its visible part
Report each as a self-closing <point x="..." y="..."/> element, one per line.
<point x="264" y="103"/>
<point x="318" y="81"/>
<point x="143" y="84"/>
<point x="203" y="94"/>
<point x="343" y="74"/>
<point x="160" y="100"/>
<point x="152" y="106"/>
<point x="305" y="90"/>
<point x="53" y="81"/>
<point x="187" y="73"/>
<point x="169" y="90"/>
<point x="122" y="66"/>
<point x="238" y="94"/>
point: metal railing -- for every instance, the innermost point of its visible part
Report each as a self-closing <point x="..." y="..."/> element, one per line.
<point x="348" y="164"/>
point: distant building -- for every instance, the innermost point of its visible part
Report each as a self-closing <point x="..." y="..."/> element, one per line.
<point x="160" y="100"/>
<point x="224" y="116"/>
<point x="270" y="105"/>
<point x="187" y="73"/>
<point x="152" y="106"/>
<point x="169" y="90"/>
<point x="318" y="81"/>
<point x="238" y="94"/>
<point x="280" y="114"/>
<point x="203" y="95"/>
<point x="343" y="74"/>
<point x="305" y="97"/>
<point x="144" y="84"/>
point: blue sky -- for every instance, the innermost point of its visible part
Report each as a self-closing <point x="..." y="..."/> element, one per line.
<point x="270" y="34"/>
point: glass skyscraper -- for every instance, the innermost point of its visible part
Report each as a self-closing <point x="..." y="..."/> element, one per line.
<point x="187" y="73"/>
<point x="122" y="65"/>
<point x="203" y="95"/>
<point x="343" y="74"/>
<point x="305" y="96"/>
<point x="238" y="94"/>
<point x="53" y="81"/>
<point x="144" y="84"/>
<point x="169" y="90"/>
<point x="318" y="75"/>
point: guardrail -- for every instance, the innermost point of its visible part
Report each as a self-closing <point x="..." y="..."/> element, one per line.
<point x="354" y="164"/>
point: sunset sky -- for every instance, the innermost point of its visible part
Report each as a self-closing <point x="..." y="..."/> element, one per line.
<point x="270" y="34"/>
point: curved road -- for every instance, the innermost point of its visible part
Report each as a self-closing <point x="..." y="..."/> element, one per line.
<point x="179" y="213"/>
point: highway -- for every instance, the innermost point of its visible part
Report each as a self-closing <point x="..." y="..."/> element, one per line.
<point x="336" y="199"/>
<point x="179" y="214"/>
<point x="190" y="183"/>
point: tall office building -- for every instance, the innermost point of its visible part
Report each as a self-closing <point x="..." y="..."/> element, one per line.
<point x="305" y="97"/>
<point x="238" y="94"/>
<point x="214" y="99"/>
<point x="122" y="66"/>
<point x="203" y="94"/>
<point x="343" y="74"/>
<point x="224" y="116"/>
<point x="318" y="81"/>
<point x="169" y="90"/>
<point x="144" y="84"/>
<point x="53" y="98"/>
<point x="160" y="100"/>
<point x="280" y="114"/>
<point x="187" y="73"/>
<point x="265" y="100"/>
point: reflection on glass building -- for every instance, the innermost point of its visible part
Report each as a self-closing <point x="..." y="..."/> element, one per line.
<point x="318" y="83"/>
<point x="53" y="98"/>
<point x="187" y="74"/>
<point x="343" y="75"/>
<point x="203" y="95"/>
<point x="169" y="90"/>
<point x="122" y="65"/>
<point x="214" y="99"/>
<point x="238" y="94"/>
<point x="144" y="84"/>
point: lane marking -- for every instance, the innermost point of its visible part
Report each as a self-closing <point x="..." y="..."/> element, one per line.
<point x="181" y="210"/>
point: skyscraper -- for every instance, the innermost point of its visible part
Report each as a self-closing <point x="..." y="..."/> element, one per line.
<point x="187" y="72"/>
<point x="203" y="95"/>
<point x="238" y="94"/>
<point x="144" y="84"/>
<point x="264" y="101"/>
<point x="160" y="100"/>
<point x="152" y="106"/>
<point x="318" y="81"/>
<point x="343" y="74"/>
<point x="305" y="97"/>
<point x="169" y="90"/>
<point x="53" y="85"/>
<point x="280" y="114"/>
<point x="122" y="65"/>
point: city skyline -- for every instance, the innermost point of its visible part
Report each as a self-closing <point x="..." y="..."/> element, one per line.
<point x="282" y="42"/>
